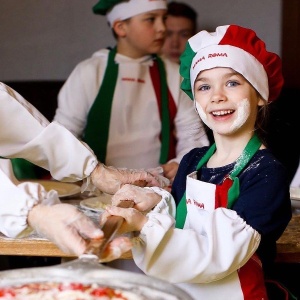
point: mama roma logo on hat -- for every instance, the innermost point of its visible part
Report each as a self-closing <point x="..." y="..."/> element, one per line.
<point x="122" y="9"/>
<point x="235" y="47"/>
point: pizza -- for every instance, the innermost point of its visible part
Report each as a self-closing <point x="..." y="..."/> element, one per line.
<point x="65" y="291"/>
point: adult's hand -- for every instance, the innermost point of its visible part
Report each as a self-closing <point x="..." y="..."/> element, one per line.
<point x="65" y="226"/>
<point x="111" y="179"/>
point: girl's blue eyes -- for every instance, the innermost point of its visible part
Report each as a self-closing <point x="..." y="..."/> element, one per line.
<point x="207" y="87"/>
<point x="204" y="88"/>
<point x="233" y="83"/>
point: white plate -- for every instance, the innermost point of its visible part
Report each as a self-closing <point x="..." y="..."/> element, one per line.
<point x="295" y="196"/>
<point x="97" y="204"/>
<point x="63" y="189"/>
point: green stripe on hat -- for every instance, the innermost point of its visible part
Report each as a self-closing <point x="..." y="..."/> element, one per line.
<point x="103" y="6"/>
<point x="186" y="59"/>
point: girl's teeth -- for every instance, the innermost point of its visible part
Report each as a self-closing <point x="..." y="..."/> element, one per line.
<point x="221" y="113"/>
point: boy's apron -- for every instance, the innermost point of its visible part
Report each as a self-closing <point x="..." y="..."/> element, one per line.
<point x="201" y="196"/>
<point x="98" y="121"/>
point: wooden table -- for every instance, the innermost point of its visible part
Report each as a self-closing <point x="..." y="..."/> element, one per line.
<point x="29" y="247"/>
<point x="288" y="245"/>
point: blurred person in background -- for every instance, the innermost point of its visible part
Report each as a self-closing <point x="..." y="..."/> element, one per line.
<point x="181" y="24"/>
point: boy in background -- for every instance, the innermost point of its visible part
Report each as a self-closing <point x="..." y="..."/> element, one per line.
<point x="126" y="102"/>
<point x="181" y="24"/>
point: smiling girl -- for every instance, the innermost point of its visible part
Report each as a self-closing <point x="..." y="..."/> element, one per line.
<point x="232" y="198"/>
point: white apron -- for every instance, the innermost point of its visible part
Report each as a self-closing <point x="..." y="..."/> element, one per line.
<point x="202" y="198"/>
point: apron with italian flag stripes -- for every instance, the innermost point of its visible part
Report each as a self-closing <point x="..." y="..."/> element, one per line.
<point x="96" y="132"/>
<point x="208" y="196"/>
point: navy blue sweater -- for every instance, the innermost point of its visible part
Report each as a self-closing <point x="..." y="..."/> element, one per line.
<point x="264" y="199"/>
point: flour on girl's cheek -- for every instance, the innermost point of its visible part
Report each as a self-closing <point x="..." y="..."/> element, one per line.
<point x="201" y="114"/>
<point x="243" y="112"/>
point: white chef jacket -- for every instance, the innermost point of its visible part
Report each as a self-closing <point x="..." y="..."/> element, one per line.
<point x="26" y="133"/>
<point x="135" y="124"/>
<point x="202" y="259"/>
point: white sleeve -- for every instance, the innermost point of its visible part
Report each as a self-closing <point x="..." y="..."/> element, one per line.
<point x="167" y="204"/>
<point x="189" y="129"/>
<point x="78" y="94"/>
<point x="25" y="133"/>
<point x="221" y="243"/>
<point x="17" y="199"/>
<point x="71" y="111"/>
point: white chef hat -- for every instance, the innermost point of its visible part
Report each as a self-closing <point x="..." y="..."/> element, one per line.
<point x="124" y="9"/>
<point x="234" y="47"/>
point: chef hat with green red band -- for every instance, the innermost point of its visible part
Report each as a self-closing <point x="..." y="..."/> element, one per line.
<point x="124" y="9"/>
<point x="233" y="47"/>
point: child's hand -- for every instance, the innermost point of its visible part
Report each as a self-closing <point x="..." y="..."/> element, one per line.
<point x="170" y="170"/>
<point x="145" y="199"/>
<point x="134" y="220"/>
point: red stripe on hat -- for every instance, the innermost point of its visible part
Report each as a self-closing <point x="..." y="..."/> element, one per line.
<point x="247" y="40"/>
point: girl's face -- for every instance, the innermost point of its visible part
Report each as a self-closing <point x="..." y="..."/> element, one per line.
<point x="226" y="102"/>
<point x="144" y="34"/>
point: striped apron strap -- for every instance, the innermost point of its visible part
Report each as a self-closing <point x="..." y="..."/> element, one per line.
<point x="167" y="110"/>
<point x="228" y="191"/>
<point x="98" y="120"/>
<point x="97" y="128"/>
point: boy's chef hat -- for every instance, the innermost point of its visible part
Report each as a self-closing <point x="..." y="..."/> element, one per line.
<point x="124" y="9"/>
<point x="234" y="47"/>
